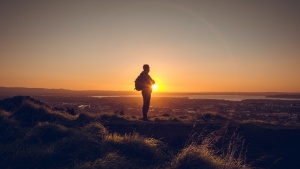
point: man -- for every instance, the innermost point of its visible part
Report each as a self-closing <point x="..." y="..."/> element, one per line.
<point x="147" y="83"/>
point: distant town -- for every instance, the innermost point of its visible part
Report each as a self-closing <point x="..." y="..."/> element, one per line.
<point x="275" y="108"/>
<point x="264" y="110"/>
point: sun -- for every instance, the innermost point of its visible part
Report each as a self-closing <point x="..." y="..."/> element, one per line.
<point x="154" y="87"/>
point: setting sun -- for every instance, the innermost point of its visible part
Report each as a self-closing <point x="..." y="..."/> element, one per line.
<point x="154" y="87"/>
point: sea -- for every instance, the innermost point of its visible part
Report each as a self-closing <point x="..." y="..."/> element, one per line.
<point x="206" y="96"/>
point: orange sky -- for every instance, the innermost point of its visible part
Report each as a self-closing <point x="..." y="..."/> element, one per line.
<point x="190" y="46"/>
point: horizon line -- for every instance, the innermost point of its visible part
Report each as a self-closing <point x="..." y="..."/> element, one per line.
<point x="204" y="92"/>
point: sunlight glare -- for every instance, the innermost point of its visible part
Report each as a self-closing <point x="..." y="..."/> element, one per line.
<point x="154" y="87"/>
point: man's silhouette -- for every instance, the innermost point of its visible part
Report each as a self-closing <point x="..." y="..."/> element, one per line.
<point x="147" y="82"/>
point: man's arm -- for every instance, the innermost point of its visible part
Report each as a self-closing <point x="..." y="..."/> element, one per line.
<point x="152" y="81"/>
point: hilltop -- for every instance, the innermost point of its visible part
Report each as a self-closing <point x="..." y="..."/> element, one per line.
<point x="35" y="135"/>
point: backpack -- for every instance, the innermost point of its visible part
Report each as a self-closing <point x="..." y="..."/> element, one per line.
<point x="138" y="84"/>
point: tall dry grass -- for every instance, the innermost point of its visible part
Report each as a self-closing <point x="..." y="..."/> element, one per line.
<point x="215" y="150"/>
<point x="144" y="151"/>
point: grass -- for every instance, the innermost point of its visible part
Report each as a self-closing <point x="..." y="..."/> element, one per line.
<point x="36" y="136"/>
<point x="193" y="157"/>
<point x="45" y="132"/>
<point x="112" y="160"/>
<point x="146" y="152"/>
<point x="33" y="135"/>
<point x="215" y="150"/>
<point x="31" y="112"/>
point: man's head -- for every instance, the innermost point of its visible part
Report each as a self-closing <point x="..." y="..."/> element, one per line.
<point x="146" y="68"/>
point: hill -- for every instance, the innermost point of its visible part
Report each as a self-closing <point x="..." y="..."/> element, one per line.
<point x="34" y="135"/>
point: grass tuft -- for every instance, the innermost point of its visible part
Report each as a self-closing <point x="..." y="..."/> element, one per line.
<point x="205" y="152"/>
<point x="145" y="151"/>
<point x="45" y="133"/>
<point x="111" y="160"/>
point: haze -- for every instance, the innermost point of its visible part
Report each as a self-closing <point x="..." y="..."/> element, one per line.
<point x="191" y="46"/>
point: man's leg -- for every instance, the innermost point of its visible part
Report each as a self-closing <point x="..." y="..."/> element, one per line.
<point x="146" y="104"/>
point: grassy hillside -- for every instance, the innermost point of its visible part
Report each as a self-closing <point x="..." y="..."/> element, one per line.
<point x="33" y="135"/>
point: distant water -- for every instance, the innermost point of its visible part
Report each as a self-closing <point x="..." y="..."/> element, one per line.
<point x="216" y="97"/>
<point x="233" y="97"/>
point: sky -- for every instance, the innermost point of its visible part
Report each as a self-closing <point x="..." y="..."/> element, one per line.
<point x="191" y="46"/>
